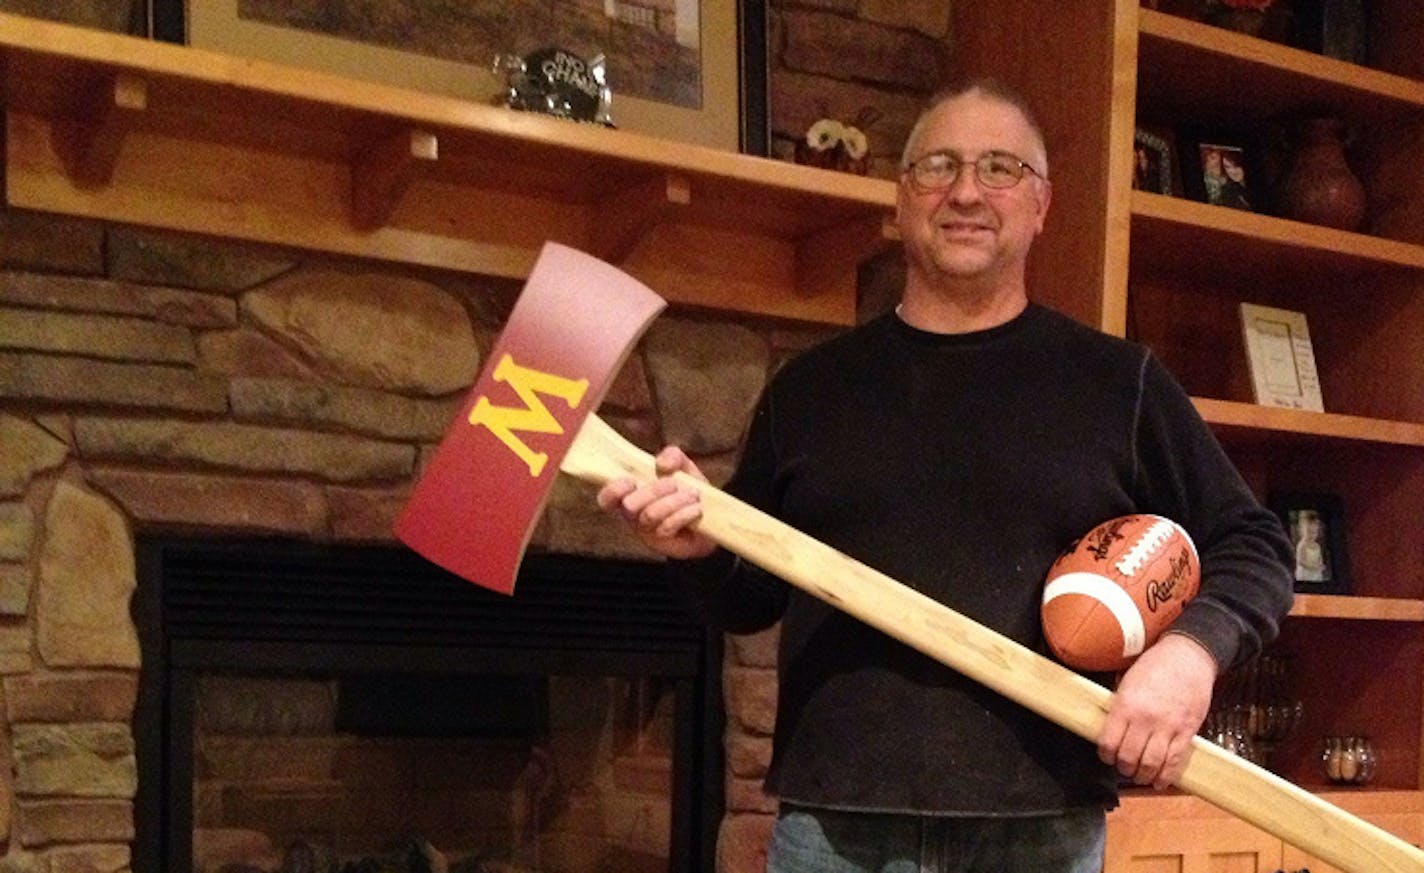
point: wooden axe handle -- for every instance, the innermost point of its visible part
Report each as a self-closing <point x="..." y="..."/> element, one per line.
<point x="599" y="454"/>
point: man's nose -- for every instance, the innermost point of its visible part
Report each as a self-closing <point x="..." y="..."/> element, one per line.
<point x="965" y="187"/>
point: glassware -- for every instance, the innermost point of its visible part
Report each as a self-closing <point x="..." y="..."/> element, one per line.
<point x="1228" y="728"/>
<point x="1349" y="760"/>
<point x="1254" y="709"/>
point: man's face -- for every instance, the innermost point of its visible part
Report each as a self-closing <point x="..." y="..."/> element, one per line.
<point x="968" y="231"/>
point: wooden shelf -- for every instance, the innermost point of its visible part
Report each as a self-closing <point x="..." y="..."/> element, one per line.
<point x="1191" y="70"/>
<point x="1245" y="422"/>
<point x="1361" y="608"/>
<point x="129" y="130"/>
<point x="1170" y="233"/>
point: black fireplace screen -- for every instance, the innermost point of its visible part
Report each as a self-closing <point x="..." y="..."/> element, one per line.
<point x="344" y="709"/>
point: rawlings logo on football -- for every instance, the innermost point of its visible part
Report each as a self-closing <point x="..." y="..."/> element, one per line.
<point x="1160" y="592"/>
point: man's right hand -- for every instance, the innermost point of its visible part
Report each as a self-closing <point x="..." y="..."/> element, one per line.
<point x="663" y="512"/>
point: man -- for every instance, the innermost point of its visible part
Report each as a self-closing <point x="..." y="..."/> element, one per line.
<point x="959" y="444"/>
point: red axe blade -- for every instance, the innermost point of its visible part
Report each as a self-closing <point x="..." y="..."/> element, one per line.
<point x="571" y="329"/>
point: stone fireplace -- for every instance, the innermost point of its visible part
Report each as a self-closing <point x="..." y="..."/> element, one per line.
<point x="165" y="387"/>
<point x="156" y="385"/>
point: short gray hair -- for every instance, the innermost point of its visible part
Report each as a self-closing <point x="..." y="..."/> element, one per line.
<point x="988" y="87"/>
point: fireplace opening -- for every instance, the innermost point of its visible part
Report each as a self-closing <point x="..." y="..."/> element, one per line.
<point x="354" y="708"/>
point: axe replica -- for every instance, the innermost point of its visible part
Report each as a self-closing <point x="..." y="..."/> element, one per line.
<point x="530" y="415"/>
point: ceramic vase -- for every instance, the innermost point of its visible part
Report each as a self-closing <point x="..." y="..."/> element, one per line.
<point x="1320" y="188"/>
<point x="1247" y="21"/>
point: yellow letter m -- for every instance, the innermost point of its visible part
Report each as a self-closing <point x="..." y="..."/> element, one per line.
<point x="507" y="422"/>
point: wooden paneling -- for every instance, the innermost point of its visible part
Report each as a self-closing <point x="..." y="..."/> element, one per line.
<point x="1061" y="56"/>
<point x="1189" y="846"/>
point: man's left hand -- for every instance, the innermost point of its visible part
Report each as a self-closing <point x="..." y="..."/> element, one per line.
<point x="1160" y="704"/>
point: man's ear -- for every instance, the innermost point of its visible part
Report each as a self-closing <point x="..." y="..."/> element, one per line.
<point x="902" y="192"/>
<point x="1045" y="197"/>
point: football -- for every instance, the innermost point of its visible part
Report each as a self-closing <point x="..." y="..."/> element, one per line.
<point x="1113" y="592"/>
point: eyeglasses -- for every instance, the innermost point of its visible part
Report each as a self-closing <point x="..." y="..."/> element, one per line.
<point x="939" y="170"/>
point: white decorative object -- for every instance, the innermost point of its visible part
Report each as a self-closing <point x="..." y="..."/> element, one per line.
<point x="1282" y="360"/>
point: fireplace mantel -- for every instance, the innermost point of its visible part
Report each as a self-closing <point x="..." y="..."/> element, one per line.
<point x="129" y="130"/>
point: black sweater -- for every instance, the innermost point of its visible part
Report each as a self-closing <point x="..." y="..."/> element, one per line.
<point x="961" y="465"/>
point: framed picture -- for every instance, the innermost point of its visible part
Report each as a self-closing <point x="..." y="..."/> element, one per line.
<point x="1191" y="9"/>
<point x="1336" y="30"/>
<point x="1222" y="171"/>
<point x="1315" y="524"/>
<point x="1281" y="358"/>
<point x="1153" y="166"/>
<point x="687" y="70"/>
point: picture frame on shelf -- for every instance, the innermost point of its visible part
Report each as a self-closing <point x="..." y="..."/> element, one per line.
<point x="1222" y="170"/>
<point x="1154" y="166"/>
<point x="1189" y="9"/>
<point x="706" y="86"/>
<point x="1334" y="28"/>
<point x="1315" y="523"/>
<point x="1281" y="358"/>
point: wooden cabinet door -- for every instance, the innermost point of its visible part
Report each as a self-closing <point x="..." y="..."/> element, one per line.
<point x="1215" y="845"/>
<point x="1405" y="825"/>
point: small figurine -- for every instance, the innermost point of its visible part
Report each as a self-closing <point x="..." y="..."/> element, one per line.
<point x="836" y="145"/>
<point x="557" y="82"/>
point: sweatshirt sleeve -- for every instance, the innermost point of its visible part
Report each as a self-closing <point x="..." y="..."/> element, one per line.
<point x="1183" y="473"/>
<point x="726" y="591"/>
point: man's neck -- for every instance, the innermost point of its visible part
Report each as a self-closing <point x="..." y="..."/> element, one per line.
<point x="960" y="307"/>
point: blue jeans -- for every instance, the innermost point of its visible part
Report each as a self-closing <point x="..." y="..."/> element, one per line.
<point x="807" y="840"/>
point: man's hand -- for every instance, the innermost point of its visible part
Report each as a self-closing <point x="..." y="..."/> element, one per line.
<point x="662" y="512"/>
<point x="1160" y="704"/>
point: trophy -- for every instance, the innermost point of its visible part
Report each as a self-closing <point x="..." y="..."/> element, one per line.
<point x="557" y="82"/>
